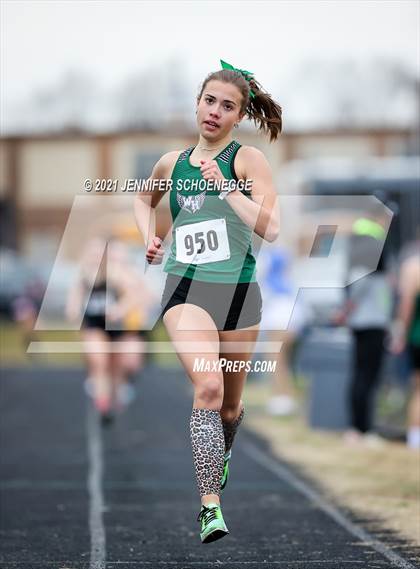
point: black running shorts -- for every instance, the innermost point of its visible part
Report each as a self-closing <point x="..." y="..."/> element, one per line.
<point x="98" y="323"/>
<point x="231" y="306"/>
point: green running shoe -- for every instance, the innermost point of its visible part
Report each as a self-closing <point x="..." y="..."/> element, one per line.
<point x="225" y="470"/>
<point x="212" y="523"/>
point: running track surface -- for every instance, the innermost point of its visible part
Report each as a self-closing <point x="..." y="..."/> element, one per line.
<point x="78" y="496"/>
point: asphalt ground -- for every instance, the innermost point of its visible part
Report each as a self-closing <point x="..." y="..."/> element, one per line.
<point x="77" y="495"/>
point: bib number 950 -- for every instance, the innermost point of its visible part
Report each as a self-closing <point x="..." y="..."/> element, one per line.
<point x="209" y="240"/>
<point x="203" y="242"/>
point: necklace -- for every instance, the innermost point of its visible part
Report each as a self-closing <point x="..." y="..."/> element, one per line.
<point x="209" y="149"/>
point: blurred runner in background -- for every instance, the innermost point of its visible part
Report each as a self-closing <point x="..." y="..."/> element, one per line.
<point x="114" y="293"/>
<point x="142" y="301"/>
<point x="406" y="334"/>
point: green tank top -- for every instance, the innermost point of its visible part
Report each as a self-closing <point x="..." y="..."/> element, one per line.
<point x="209" y="240"/>
<point x="414" y="329"/>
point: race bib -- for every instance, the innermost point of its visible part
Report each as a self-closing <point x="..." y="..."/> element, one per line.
<point x="203" y="242"/>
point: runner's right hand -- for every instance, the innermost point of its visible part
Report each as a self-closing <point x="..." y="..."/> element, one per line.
<point x="155" y="251"/>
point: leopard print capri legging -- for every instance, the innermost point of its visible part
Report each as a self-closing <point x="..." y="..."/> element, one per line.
<point x="208" y="446"/>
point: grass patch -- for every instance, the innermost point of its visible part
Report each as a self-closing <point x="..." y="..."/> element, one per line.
<point x="13" y="347"/>
<point x="377" y="483"/>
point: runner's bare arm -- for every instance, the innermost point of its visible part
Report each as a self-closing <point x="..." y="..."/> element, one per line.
<point x="261" y="212"/>
<point x="75" y="301"/>
<point x="408" y="287"/>
<point x="125" y="283"/>
<point x="146" y="202"/>
<point x="409" y="284"/>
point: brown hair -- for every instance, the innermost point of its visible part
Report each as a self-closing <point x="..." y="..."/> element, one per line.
<point x="265" y="112"/>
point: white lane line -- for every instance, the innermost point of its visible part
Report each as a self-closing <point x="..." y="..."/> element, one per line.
<point x="286" y="475"/>
<point x="96" y="499"/>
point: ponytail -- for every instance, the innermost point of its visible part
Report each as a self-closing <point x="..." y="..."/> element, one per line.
<point x="264" y="111"/>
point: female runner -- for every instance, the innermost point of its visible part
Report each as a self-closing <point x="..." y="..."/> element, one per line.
<point x="112" y="296"/>
<point x="211" y="302"/>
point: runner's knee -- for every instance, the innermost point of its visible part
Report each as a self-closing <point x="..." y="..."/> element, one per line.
<point x="230" y="412"/>
<point x="209" y="392"/>
<point x="98" y="363"/>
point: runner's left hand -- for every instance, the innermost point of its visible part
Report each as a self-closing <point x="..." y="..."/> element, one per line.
<point x="210" y="170"/>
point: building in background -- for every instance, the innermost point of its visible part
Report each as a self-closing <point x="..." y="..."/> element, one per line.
<point x="41" y="175"/>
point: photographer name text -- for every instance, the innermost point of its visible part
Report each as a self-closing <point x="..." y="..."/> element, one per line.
<point x="133" y="185"/>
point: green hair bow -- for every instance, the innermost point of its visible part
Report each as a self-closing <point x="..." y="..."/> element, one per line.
<point x="248" y="75"/>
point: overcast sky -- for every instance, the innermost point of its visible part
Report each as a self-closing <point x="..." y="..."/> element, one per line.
<point x="42" y="40"/>
<point x="111" y="42"/>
